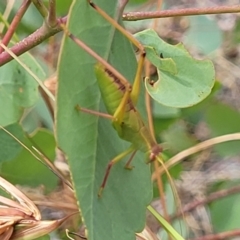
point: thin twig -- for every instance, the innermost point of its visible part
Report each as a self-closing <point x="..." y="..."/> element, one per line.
<point x="133" y="16"/>
<point x="151" y="129"/>
<point x="42" y="33"/>
<point x="16" y="20"/>
<point x="5" y="15"/>
<point x="47" y="102"/>
<point x="31" y="41"/>
<point x="212" y="197"/>
<point x="41" y="8"/>
<point x="220" y="236"/>
<point x="52" y="19"/>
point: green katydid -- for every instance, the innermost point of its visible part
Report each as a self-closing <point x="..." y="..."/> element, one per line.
<point x="120" y="99"/>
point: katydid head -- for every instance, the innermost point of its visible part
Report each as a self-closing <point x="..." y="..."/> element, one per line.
<point x="154" y="152"/>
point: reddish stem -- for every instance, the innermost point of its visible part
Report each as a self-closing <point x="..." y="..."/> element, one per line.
<point x="220" y="236"/>
<point x="133" y="16"/>
<point x="16" y="20"/>
<point x="44" y="32"/>
<point x="212" y="197"/>
<point x="52" y="19"/>
<point x="31" y="41"/>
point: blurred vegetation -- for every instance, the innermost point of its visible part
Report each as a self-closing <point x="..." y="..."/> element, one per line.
<point x="28" y="118"/>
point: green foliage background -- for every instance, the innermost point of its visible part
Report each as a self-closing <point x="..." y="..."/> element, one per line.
<point x="90" y="142"/>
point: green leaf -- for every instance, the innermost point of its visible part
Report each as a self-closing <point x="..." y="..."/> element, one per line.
<point x="221" y="120"/>
<point x="176" y="137"/>
<point x="46" y="237"/>
<point x="164" y="64"/>
<point x="27" y="24"/>
<point x="9" y="147"/>
<point x="90" y="142"/>
<point x="36" y="117"/>
<point x="62" y="7"/>
<point x="27" y="170"/>
<point x="223" y="212"/>
<point x="164" y="112"/>
<point x="196" y="113"/>
<point x="18" y="90"/>
<point x="188" y="84"/>
<point x="236" y="37"/>
<point x="203" y="34"/>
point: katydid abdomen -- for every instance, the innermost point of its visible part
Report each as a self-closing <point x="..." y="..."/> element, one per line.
<point x="131" y="127"/>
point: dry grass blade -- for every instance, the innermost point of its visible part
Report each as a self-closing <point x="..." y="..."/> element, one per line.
<point x="14" y="204"/>
<point x="7" y="234"/>
<point x="74" y="234"/>
<point x="36" y="229"/>
<point x="44" y="160"/>
<point x="4" y="226"/>
<point x="22" y="220"/>
<point x="197" y="148"/>
<point x="23" y="200"/>
<point x="146" y="234"/>
<point x="11" y="214"/>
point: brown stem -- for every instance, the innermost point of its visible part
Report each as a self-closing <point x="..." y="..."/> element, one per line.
<point x="16" y="20"/>
<point x="31" y="41"/>
<point x="52" y="19"/>
<point x="148" y="104"/>
<point x="212" y="197"/>
<point x="220" y="236"/>
<point x="40" y="7"/>
<point x="133" y="16"/>
<point x="43" y="33"/>
<point x="47" y="102"/>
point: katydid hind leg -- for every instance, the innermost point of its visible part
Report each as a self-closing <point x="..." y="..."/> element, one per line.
<point x="118" y="27"/>
<point x="120" y="111"/>
<point x="110" y="165"/>
<point x="91" y="52"/>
